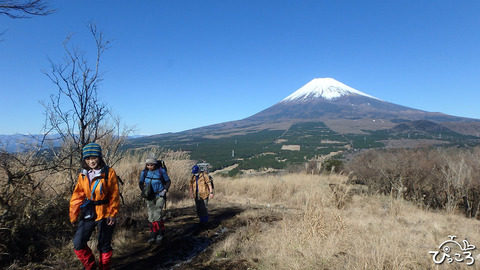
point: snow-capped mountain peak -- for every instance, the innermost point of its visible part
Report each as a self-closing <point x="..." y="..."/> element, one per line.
<point x="327" y="88"/>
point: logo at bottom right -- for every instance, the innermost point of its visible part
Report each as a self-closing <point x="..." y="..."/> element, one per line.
<point x="452" y="251"/>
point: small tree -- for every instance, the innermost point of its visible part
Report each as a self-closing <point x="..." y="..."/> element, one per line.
<point x="83" y="118"/>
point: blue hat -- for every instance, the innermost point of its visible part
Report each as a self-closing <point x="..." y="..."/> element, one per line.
<point x="92" y="150"/>
<point x="195" y="169"/>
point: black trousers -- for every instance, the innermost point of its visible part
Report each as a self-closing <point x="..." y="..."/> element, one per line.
<point x="85" y="230"/>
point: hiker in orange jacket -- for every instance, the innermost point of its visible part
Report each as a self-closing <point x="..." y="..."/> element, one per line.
<point x="94" y="203"/>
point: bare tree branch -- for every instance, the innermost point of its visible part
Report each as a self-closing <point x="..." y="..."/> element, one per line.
<point x="24" y="9"/>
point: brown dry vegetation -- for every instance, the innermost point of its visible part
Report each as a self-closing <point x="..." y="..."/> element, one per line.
<point x="290" y="221"/>
<point x="367" y="232"/>
<point x="434" y="178"/>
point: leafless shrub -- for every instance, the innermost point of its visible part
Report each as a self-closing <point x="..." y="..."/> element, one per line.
<point x="460" y="171"/>
<point x="27" y="202"/>
<point x="435" y="178"/>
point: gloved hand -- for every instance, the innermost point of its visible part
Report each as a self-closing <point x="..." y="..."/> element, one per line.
<point x="162" y="193"/>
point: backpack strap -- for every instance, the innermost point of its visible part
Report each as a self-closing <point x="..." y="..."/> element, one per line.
<point x="162" y="178"/>
<point x="93" y="189"/>
<point x="105" y="170"/>
<point x="99" y="202"/>
<point x="120" y="180"/>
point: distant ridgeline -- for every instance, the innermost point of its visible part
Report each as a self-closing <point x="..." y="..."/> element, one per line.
<point x="299" y="143"/>
<point x="19" y="142"/>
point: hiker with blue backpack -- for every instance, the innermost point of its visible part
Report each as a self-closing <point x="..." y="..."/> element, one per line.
<point x="154" y="184"/>
<point x="95" y="202"/>
<point x="201" y="190"/>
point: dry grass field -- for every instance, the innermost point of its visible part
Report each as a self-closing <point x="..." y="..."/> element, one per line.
<point x="289" y="221"/>
<point x="365" y="232"/>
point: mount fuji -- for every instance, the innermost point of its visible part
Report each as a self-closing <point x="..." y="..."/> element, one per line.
<point x="324" y="116"/>
<point x="347" y="110"/>
<point x="340" y="107"/>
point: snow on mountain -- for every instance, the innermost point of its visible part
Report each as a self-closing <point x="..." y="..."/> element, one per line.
<point x="327" y="88"/>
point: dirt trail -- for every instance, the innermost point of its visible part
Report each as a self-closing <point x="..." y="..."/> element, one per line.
<point x="186" y="245"/>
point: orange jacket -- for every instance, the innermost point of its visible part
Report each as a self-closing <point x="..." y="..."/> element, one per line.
<point x="106" y="189"/>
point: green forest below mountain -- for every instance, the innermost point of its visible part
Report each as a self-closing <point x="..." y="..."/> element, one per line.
<point x="263" y="149"/>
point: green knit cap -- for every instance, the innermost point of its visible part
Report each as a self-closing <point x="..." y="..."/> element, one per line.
<point x="92" y="150"/>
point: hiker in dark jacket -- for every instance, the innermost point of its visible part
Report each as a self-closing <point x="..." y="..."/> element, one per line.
<point x="160" y="182"/>
<point x="98" y="185"/>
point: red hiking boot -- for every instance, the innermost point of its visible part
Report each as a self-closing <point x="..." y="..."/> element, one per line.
<point x="104" y="260"/>
<point x="87" y="258"/>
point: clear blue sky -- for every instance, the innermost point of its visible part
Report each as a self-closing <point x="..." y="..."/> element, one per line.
<point x="197" y="63"/>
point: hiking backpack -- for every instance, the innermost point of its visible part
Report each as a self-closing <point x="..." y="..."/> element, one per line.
<point x="161" y="164"/>
<point x="203" y="166"/>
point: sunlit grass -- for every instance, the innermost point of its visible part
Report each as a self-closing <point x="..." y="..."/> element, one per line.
<point x="369" y="232"/>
